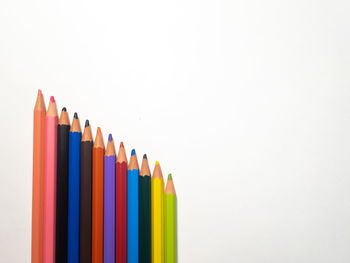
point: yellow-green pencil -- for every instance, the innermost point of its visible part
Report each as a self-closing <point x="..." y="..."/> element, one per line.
<point x="170" y="231"/>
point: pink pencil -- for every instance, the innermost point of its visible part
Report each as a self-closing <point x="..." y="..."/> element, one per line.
<point x="50" y="182"/>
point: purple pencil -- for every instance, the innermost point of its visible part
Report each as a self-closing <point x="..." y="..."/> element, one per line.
<point x="109" y="203"/>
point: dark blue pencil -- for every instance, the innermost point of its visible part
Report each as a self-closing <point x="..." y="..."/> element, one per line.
<point x="73" y="191"/>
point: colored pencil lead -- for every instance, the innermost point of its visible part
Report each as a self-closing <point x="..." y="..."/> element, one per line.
<point x="52" y="99"/>
<point x="145" y="156"/>
<point x="75" y="115"/>
<point x="133" y="152"/>
<point x="64" y="109"/>
<point x="87" y="123"/>
<point x="157" y="163"/>
<point x="121" y="144"/>
<point x="170" y="177"/>
<point x="110" y="138"/>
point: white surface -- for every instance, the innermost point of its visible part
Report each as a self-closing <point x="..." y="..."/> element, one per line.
<point x="245" y="102"/>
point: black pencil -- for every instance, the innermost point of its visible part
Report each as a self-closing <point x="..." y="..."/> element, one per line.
<point x="62" y="187"/>
<point x="145" y="212"/>
<point x="85" y="195"/>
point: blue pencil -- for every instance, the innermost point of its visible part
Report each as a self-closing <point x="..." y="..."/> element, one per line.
<point x="73" y="191"/>
<point x="133" y="210"/>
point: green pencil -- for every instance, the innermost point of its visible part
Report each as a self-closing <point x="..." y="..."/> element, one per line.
<point x="170" y="231"/>
<point x="145" y="212"/>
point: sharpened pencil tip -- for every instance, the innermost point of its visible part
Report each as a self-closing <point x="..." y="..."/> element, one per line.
<point x="110" y="138"/>
<point x="157" y="163"/>
<point x="98" y="130"/>
<point x="170" y="177"/>
<point x="52" y="99"/>
<point x="39" y="92"/>
<point x="64" y="109"/>
<point x="87" y="123"/>
<point x="145" y="156"/>
<point x="133" y="152"/>
<point x="121" y="144"/>
<point x="75" y="115"/>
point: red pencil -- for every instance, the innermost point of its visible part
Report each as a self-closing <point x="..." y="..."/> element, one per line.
<point x="121" y="197"/>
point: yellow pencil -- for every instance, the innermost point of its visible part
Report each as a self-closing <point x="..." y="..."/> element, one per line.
<point x="157" y="215"/>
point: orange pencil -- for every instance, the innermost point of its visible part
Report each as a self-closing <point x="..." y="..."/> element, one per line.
<point x="38" y="179"/>
<point x="50" y="182"/>
<point x="97" y="198"/>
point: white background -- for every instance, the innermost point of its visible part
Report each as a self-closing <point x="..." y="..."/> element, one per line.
<point x="247" y="103"/>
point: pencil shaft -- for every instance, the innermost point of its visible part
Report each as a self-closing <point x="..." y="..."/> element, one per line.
<point x="73" y="197"/>
<point x="50" y="189"/>
<point x="133" y="216"/>
<point x="109" y="210"/>
<point x="145" y="219"/>
<point x="157" y="220"/>
<point x="170" y="229"/>
<point x="85" y="201"/>
<point x="121" y="212"/>
<point x="97" y="206"/>
<point x="62" y="193"/>
<point x="38" y="185"/>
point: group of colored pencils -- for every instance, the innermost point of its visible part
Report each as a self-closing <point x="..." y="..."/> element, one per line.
<point x="90" y="204"/>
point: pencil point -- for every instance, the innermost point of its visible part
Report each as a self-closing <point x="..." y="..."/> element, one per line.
<point x="121" y="144"/>
<point x="170" y="177"/>
<point x="39" y="92"/>
<point x="145" y="156"/>
<point x="133" y="152"/>
<point x="64" y="109"/>
<point x="98" y="130"/>
<point x="87" y="123"/>
<point x="157" y="163"/>
<point x="110" y="138"/>
<point x="52" y="99"/>
<point x="75" y="115"/>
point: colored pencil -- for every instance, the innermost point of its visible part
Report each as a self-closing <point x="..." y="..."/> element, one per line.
<point x="50" y="182"/>
<point x="85" y="195"/>
<point x="170" y="227"/>
<point x="121" y="201"/>
<point x="62" y="187"/>
<point x="157" y="215"/>
<point x="145" y="212"/>
<point x="109" y="203"/>
<point x="133" y="210"/>
<point x="97" y="198"/>
<point x="38" y="178"/>
<point x="73" y="191"/>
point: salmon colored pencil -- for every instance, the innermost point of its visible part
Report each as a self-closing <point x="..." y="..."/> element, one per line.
<point x="50" y="182"/>
<point x="38" y="179"/>
<point x="97" y="198"/>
